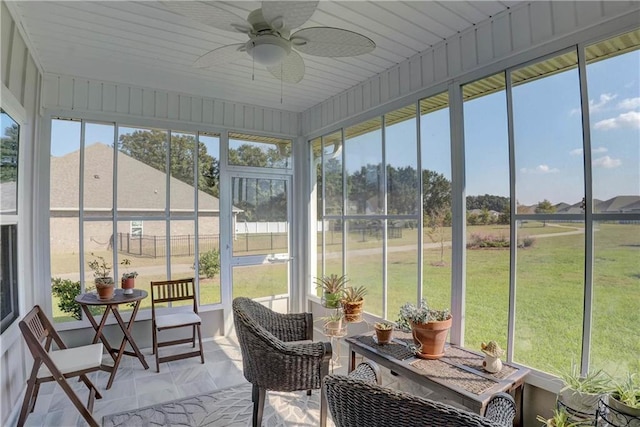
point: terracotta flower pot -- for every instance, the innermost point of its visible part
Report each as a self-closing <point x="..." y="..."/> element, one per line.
<point x="128" y="285"/>
<point x="431" y="336"/>
<point x="105" y="288"/>
<point x="384" y="335"/>
<point x="352" y="311"/>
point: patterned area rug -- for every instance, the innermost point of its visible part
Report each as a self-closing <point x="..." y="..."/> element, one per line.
<point x="231" y="407"/>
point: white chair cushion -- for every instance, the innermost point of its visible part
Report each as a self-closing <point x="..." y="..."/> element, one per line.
<point x="177" y="319"/>
<point x="74" y="359"/>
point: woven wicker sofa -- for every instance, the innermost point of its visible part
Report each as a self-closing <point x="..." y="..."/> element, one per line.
<point x="359" y="400"/>
<point x="277" y="353"/>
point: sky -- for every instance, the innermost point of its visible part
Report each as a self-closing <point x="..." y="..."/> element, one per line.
<point x="547" y="132"/>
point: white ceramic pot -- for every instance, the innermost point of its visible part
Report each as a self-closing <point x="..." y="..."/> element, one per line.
<point x="492" y="364"/>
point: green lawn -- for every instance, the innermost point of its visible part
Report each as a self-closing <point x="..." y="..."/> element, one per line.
<point x="549" y="289"/>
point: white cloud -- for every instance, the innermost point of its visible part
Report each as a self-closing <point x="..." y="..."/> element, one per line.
<point x="629" y="103"/>
<point x="597" y="106"/>
<point x="629" y="119"/>
<point x="540" y="169"/>
<point x="597" y="150"/>
<point x="606" y="162"/>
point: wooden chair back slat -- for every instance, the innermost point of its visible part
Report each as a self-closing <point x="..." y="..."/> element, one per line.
<point x="173" y="291"/>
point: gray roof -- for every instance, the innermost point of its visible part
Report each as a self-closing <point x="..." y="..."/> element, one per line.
<point x="141" y="187"/>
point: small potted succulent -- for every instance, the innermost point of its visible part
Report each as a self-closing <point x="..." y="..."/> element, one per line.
<point x="128" y="281"/>
<point x="429" y="328"/>
<point x="332" y="287"/>
<point x="352" y="302"/>
<point x="625" y="399"/>
<point x="384" y="332"/>
<point x="102" y="279"/>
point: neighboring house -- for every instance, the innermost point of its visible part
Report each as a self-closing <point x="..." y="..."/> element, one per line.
<point x="141" y="193"/>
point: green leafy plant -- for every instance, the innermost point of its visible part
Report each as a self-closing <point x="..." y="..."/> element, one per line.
<point x="561" y="419"/>
<point x="334" y="317"/>
<point x="66" y="291"/>
<point x="627" y="391"/>
<point x="354" y="294"/>
<point x="332" y="283"/>
<point x="595" y="382"/>
<point x="420" y="314"/>
<point x="209" y="263"/>
<point x="126" y="262"/>
<point x="101" y="270"/>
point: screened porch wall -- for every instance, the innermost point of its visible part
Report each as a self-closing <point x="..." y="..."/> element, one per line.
<point x="20" y="92"/>
<point x="524" y="32"/>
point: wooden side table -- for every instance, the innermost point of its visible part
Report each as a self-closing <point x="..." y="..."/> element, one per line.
<point x="111" y="306"/>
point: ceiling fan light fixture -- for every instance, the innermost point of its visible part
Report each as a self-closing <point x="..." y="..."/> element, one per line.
<point x="268" y="49"/>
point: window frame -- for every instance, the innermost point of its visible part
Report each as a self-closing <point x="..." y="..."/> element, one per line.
<point x="14" y="109"/>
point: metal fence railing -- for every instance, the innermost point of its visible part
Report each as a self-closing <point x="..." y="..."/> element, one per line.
<point x="156" y="246"/>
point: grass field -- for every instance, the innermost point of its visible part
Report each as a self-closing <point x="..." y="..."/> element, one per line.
<point x="549" y="288"/>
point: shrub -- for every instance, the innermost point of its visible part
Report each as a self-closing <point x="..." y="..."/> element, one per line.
<point x="209" y="263"/>
<point x="66" y="291"/>
<point x="527" y="242"/>
<point x="478" y="241"/>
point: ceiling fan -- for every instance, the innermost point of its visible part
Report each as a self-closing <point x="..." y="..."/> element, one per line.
<point x="271" y="42"/>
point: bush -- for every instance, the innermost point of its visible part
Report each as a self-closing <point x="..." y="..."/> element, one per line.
<point x="209" y="263"/>
<point x="66" y="291"/>
<point x="527" y="242"/>
<point x="478" y="241"/>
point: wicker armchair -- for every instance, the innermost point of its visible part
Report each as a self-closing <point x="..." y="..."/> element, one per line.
<point x="357" y="400"/>
<point x="273" y="356"/>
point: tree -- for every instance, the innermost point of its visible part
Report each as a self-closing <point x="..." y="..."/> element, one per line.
<point x="545" y="207"/>
<point x="150" y="148"/>
<point x="9" y="154"/>
<point x="437" y="221"/>
<point x="437" y="193"/>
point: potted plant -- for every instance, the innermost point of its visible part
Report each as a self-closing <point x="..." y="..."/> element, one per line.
<point x="128" y="281"/>
<point x="332" y="287"/>
<point x="333" y="326"/>
<point x="384" y="332"/>
<point x="102" y="279"/>
<point x="429" y="328"/>
<point x="561" y="419"/>
<point x="352" y="302"/>
<point x="581" y="393"/>
<point x="625" y="399"/>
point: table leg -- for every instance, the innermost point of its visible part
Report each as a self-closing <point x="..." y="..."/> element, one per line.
<point x="127" y="338"/>
<point x="352" y="360"/>
<point x="98" y="328"/>
<point x="517" y="422"/>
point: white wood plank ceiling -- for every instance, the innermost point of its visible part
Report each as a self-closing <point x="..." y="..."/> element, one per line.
<point x="143" y="43"/>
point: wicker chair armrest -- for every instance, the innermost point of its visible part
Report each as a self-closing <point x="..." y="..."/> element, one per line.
<point x="353" y="403"/>
<point x="501" y="409"/>
<point x="367" y="371"/>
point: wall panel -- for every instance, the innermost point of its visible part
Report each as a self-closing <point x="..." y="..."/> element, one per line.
<point x="21" y="88"/>
<point x="80" y="94"/>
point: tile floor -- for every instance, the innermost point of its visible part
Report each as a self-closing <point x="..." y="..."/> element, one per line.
<point x="135" y="387"/>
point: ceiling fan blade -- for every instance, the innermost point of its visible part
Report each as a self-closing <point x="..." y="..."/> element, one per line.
<point x="220" y="55"/>
<point x="331" y="42"/>
<point x="288" y="14"/>
<point x="291" y="70"/>
<point x="209" y="14"/>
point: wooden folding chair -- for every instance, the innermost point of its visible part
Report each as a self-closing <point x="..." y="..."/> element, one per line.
<point x="57" y="365"/>
<point x="173" y="291"/>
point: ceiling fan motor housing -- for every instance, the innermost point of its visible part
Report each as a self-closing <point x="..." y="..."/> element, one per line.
<point x="268" y="49"/>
